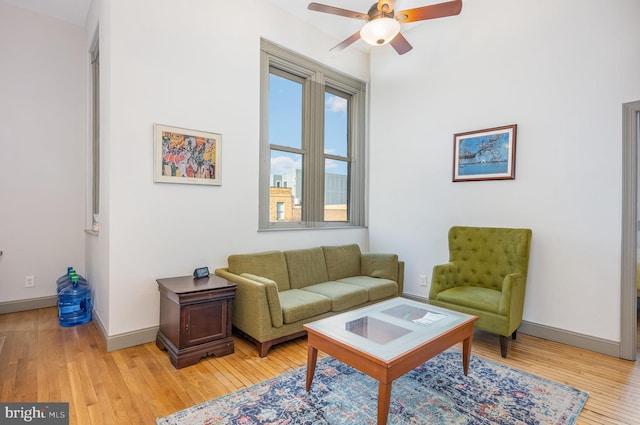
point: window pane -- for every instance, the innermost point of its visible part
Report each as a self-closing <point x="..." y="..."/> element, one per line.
<point x="336" y="125"/>
<point x="285" y="186"/>
<point x="280" y="211"/>
<point x="285" y="112"/>
<point x="336" y="194"/>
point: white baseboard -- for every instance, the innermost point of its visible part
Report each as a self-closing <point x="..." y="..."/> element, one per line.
<point x="127" y="339"/>
<point x="29" y="304"/>
<point x="586" y="342"/>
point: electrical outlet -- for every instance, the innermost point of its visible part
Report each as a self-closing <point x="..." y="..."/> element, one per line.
<point x="29" y="281"/>
<point x="423" y="280"/>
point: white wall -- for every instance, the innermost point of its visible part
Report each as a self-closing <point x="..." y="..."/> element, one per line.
<point x="560" y="71"/>
<point x="194" y="65"/>
<point x="42" y="151"/>
<point x="561" y="76"/>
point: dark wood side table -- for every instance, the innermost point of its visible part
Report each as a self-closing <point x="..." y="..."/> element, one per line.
<point x="195" y="318"/>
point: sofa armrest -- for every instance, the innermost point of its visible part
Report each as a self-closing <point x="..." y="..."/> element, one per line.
<point x="512" y="299"/>
<point x="273" y="299"/>
<point x="400" y="280"/>
<point x="386" y="266"/>
<point x="379" y="265"/>
<point x="257" y="302"/>
<point x="443" y="278"/>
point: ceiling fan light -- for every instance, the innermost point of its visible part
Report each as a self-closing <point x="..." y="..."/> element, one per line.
<point x="380" y="31"/>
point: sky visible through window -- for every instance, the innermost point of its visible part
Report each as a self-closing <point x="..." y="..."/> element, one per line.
<point x="285" y="126"/>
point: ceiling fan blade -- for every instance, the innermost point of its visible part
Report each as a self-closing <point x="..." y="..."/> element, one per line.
<point x="400" y="44"/>
<point x="347" y="42"/>
<point x="318" y="7"/>
<point x="432" y="11"/>
<point x="386" y="6"/>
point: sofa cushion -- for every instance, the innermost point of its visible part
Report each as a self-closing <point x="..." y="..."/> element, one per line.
<point x="269" y="264"/>
<point x="377" y="288"/>
<point x="343" y="295"/>
<point x="483" y="299"/>
<point x="298" y="304"/>
<point x="306" y="267"/>
<point x="342" y="261"/>
<point x="273" y="300"/>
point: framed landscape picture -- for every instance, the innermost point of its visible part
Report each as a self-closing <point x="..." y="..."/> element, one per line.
<point x="488" y="154"/>
<point x="186" y="156"/>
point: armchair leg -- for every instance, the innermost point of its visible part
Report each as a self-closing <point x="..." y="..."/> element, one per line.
<point x="513" y="335"/>
<point x="504" y="345"/>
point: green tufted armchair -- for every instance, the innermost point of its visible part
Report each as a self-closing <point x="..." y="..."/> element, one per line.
<point x="486" y="276"/>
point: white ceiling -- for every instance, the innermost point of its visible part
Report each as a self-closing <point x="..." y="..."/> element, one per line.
<point x="75" y="12"/>
<point x="72" y="11"/>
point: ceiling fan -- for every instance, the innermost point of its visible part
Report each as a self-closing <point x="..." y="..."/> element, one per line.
<point x="383" y="23"/>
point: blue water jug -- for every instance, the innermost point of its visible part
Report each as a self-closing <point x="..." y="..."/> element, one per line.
<point x="64" y="278"/>
<point x="74" y="304"/>
<point x="64" y="281"/>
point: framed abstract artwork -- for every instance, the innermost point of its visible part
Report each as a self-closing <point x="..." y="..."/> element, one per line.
<point x="488" y="154"/>
<point x="186" y="156"/>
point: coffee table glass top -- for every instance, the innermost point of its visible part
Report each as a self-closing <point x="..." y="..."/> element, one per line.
<point x="389" y="328"/>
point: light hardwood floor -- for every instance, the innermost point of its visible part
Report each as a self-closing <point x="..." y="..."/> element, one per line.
<point x="43" y="362"/>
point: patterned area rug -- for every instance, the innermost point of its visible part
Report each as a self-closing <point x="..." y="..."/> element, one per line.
<point x="435" y="393"/>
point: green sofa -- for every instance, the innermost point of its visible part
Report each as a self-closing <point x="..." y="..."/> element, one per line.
<point x="279" y="291"/>
<point x="486" y="276"/>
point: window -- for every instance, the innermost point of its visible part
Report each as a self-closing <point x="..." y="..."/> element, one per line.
<point x="280" y="212"/>
<point x="312" y="144"/>
<point x="94" y="160"/>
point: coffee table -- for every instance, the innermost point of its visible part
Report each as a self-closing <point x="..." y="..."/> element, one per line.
<point x="387" y="339"/>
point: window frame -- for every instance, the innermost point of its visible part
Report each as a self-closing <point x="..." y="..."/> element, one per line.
<point x="94" y="142"/>
<point x="317" y="79"/>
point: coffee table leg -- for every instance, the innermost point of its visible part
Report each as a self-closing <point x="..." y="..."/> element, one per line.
<point x="466" y="353"/>
<point x="312" y="357"/>
<point x="384" y="400"/>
